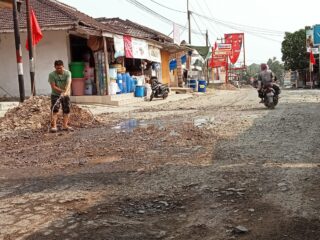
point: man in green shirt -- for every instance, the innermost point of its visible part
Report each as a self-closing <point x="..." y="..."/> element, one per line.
<point x="60" y="81"/>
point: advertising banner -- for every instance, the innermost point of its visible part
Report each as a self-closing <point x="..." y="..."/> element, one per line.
<point x="219" y="58"/>
<point x="309" y="39"/>
<point x="235" y="39"/>
<point x="128" y="46"/>
<point x="154" y="54"/>
<point x="316" y="35"/>
<point x="140" y="49"/>
<point x="135" y="48"/>
<point x="176" y="34"/>
<point x="119" y="46"/>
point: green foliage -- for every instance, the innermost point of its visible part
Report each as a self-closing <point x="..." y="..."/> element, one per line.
<point x="276" y="67"/>
<point x="293" y="50"/>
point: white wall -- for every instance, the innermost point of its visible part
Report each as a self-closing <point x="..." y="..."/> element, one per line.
<point x="53" y="46"/>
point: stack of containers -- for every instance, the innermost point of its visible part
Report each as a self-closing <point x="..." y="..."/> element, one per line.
<point x="119" y="82"/>
<point x="89" y="78"/>
<point x="77" y="73"/>
<point x="113" y="88"/>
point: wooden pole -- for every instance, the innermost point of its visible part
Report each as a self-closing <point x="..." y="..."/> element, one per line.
<point x="30" y="46"/>
<point x="18" y="51"/>
<point x="106" y="61"/>
<point x="189" y="21"/>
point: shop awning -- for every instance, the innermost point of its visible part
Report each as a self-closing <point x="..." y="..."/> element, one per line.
<point x="202" y="50"/>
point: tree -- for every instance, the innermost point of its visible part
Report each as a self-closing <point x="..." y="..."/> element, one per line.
<point x="276" y="67"/>
<point x="294" y="50"/>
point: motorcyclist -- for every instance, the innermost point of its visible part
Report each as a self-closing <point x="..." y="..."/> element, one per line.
<point x="265" y="77"/>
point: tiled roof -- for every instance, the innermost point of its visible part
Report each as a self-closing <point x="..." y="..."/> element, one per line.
<point x="52" y="14"/>
<point x="134" y="29"/>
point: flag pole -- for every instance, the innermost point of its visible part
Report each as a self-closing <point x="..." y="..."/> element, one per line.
<point x="18" y="50"/>
<point x="30" y="46"/>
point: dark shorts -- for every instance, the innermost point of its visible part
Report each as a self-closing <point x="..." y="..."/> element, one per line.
<point x="64" y="101"/>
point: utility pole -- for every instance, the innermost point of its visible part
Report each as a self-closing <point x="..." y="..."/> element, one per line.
<point x="189" y="21"/>
<point x="30" y="46"/>
<point x="18" y="50"/>
<point x="207" y="44"/>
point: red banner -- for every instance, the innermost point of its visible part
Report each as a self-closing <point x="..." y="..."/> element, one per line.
<point x="128" y="46"/>
<point x="217" y="60"/>
<point x="235" y="39"/>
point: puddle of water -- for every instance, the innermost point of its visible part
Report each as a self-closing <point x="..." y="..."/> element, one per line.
<point x="129" y="125"/>
<point x="202" y="121"/>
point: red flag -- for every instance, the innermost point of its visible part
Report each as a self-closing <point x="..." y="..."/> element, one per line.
<point x="35" y="30"/>
<point x="312" y="60"/>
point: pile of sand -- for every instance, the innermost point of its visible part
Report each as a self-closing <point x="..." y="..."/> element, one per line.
<point x="34" y="113"/>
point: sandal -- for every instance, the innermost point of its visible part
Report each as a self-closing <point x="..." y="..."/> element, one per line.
<point x="53" y="130"/>
<point x="68" y="129"/>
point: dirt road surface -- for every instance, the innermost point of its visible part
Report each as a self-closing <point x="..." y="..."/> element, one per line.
<point x="211" y="167"/>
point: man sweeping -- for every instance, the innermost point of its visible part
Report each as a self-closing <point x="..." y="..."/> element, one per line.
<point x="60" y="81"/>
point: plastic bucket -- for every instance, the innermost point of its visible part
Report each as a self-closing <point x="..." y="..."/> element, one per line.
<point x="78" y="86"/>
<point x="139" y="91"/>
<point x="192" y="84"/>
<point x="113" y="73"/>
<point x="77" y="69"/>
<point x="202" y="86"/>
<point x="88" y="89"/>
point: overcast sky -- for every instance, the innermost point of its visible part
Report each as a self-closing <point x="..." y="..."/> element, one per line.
<point x="274" y="15"/>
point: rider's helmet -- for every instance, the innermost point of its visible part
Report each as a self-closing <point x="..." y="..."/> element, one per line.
<point x="264" y="67"/>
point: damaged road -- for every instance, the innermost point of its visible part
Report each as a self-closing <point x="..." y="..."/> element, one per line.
<point x="215" y="166"/>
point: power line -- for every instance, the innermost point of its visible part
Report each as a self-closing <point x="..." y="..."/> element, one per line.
<point x="211" y="15"/>
<point x="209" y="23"/>
<point x="172" y="9"/>
<point x="251" y="28"/>
<point x="155" y="14"/>
<point x="196" y="23"/>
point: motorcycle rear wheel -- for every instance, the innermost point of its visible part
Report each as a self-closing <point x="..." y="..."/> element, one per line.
<point x="165" y="95"/>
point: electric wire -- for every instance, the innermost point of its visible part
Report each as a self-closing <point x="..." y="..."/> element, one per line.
<point x="155" y="14"/>
<point x="172" y="9"/>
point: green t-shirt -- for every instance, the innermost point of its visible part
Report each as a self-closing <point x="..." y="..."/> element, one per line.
<point x="61" y="81"/>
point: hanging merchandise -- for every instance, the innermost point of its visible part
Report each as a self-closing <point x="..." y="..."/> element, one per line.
<point x="183" y="59"/>
<point x="173" y="64"/>
<point x="236" y="40"/>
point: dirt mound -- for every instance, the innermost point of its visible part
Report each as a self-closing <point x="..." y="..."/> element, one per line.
<point x="34" y="113"/>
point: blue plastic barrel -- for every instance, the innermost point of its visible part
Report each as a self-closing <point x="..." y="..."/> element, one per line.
<point x="119" y="82"/>
<point x="124" y="83"/>
<point x="192" y="84"/>
<point x="128" y="82"/>
<point x="202" y="86"/>
<point x="139" y="91"/>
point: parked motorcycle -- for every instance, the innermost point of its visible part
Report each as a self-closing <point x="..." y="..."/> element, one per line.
<point x="158" y="90"/>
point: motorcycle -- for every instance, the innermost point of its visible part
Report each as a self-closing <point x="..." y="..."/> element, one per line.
<point x="270" y="95"/>
<point x="158" y="90"/>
